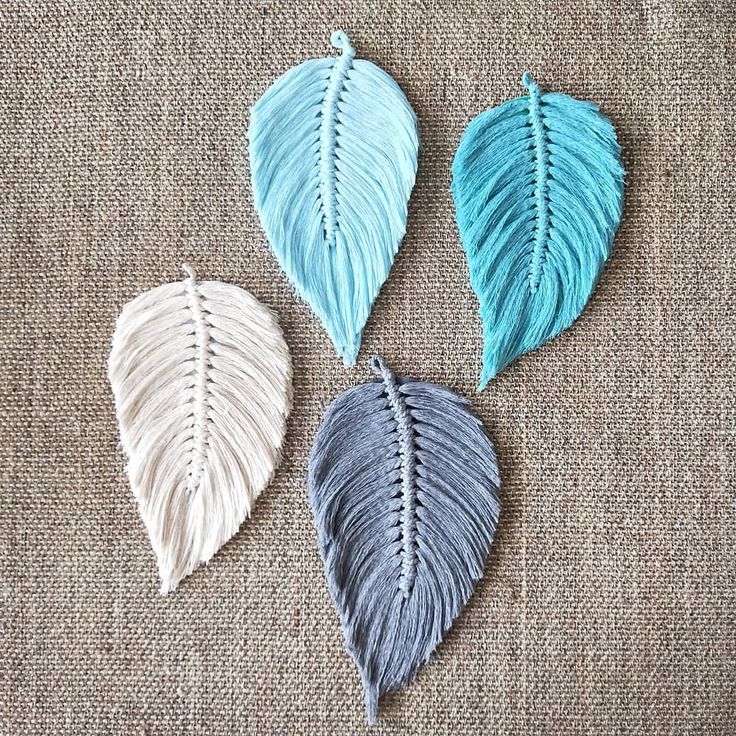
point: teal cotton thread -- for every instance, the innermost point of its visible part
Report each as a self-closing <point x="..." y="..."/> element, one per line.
<point x="538" y="188"/>
<point x="542" y="158"/>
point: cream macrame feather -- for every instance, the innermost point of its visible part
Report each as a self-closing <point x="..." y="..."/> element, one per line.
<point x="202" y="381"/>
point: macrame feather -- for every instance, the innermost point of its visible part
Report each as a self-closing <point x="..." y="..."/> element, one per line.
<point x="404" y="484"/>
<point x="202" y="382"/>
<point x="538" y="189"/>
<point x="333" y="155"/>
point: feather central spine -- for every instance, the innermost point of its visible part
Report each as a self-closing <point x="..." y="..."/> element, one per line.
<point x="328" y="135"/>
<point x="201" y="403"/>
<point x="541" y="192"/>
<point x="407" y="453"/>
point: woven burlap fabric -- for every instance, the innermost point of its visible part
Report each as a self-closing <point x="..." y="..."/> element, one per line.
<point x="609" y="602"/>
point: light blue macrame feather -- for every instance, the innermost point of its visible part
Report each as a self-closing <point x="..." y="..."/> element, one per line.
<point x="333" y="151"/>
<point x="538" y="190"/>
<point x="403" y="483"/>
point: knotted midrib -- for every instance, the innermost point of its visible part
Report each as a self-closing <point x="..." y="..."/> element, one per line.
<point x="407" y="453"/>
<point x="328" y="135"/>
<point x="541" y="171"/>
<point x="200" y="410"/>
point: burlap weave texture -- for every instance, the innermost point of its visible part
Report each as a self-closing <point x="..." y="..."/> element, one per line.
<point x="609" y="603"/>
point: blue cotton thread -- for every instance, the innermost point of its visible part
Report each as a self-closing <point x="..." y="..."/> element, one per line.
<point x="333" y="147"/>
<point x="541" y="156"/>
<point x="407" y="453"/>
<point x="328" y="134"/>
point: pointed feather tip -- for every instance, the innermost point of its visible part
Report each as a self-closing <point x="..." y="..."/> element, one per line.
<point x="529" y="83"/>
<point x="340" y="40"/>
<point x="485" y="377"/>
<point x="168" y="585"/>
<point x="370" y="695"/>
<point x="349" y="351"/>
<point x="189" y="271"/>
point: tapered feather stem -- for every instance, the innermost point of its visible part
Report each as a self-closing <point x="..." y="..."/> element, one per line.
<point x="407" y="453"/>
<point x="200" y="407"/>
<point x="328" y="134"/>
<point x="541" y="191"/>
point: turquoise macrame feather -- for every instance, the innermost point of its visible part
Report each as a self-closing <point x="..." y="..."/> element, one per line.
<point x="333" y="153"/>
<point x="538" y="190"/>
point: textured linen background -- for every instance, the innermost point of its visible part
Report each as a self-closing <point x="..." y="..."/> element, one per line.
<point x="609" y="603"/>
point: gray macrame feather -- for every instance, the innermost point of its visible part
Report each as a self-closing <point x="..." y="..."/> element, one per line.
<point x="403" y="483"/>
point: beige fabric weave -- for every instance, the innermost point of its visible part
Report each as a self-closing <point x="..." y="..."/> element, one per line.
<point x="609" y="604"/>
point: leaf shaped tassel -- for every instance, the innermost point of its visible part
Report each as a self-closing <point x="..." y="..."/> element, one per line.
<point x="202" y="382"/>
<point x="538" y="189"/>
<point x="333" y="154"/>
<point x="404" y="484"/>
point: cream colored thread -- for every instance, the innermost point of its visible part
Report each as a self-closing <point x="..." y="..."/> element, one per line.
<point x="200" y="409"/>
<point x="201" y="375"/>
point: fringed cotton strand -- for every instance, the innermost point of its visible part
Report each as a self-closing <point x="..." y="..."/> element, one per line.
<point x="333" y="155"/>
<point x="202" y="382"/>
<point x="403" y="483"/>
<point x="538" y="188"/>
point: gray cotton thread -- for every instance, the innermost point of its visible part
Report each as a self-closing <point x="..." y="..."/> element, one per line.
<point x="403" y="483"/>
<point x="407" y="453"/>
